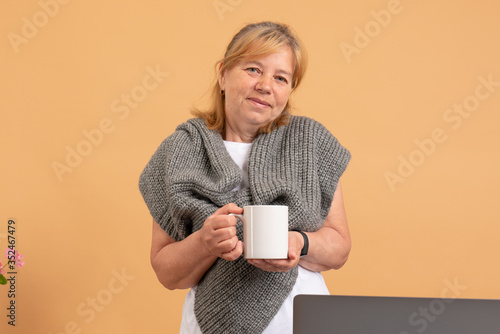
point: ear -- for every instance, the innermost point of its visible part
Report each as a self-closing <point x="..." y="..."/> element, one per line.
<point x="220" y="78"/>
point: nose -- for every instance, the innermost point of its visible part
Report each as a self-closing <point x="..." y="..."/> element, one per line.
<point x="264" y="84"/>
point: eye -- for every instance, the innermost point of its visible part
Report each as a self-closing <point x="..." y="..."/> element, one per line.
<point x="282" y="79"/>
<point x="253" y="70"/>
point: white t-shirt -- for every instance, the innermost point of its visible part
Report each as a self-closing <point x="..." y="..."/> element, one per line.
<point x="308" y="282"/>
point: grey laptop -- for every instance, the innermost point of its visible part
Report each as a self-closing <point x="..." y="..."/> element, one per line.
<point x="318" y="314"/>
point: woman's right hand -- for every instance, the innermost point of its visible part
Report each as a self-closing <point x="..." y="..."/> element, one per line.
<point x="181" y="264"/>
<point x="218" y="234"/>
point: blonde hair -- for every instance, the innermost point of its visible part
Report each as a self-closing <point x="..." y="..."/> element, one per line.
<point x="254" y="41"/>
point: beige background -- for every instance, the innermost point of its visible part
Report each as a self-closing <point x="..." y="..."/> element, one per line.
<point x="417" y="226"/>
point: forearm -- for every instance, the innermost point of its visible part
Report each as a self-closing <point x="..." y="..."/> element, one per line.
<point x="180" y="265"/>
<point x="328" y="249"/>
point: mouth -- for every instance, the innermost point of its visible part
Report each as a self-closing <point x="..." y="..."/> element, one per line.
<point x="258" y="102"/>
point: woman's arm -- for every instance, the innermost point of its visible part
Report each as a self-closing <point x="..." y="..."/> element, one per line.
<point x="181" y="264"/>
<point x="329" y="246"/>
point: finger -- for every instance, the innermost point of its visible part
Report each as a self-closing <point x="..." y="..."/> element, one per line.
<point x="293" y="254"/>
<point x="213" y="237"/>
<point x="279" y="264"/>
<point x="227" y="245"/>
<point x="223" y="222"/>
<point x="235" y="253"/>
<point x="223" y="234"/>
<point x="227" y="209"/>
<point x="272" y="265"/>
<point x="263" y="265"/>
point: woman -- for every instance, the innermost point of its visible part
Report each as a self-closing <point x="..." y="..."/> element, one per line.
<point x="247" y="150"/>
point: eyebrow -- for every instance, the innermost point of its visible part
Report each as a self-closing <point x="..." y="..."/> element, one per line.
<point x="279" y="71"/>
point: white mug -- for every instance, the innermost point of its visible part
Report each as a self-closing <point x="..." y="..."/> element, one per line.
<point x="265" y="231"/>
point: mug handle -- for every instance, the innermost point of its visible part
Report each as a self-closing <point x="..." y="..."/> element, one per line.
<point x="248" y="245"/>
<point x="240" y="216"/>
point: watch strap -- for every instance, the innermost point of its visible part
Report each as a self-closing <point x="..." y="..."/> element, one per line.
<point x="305" y="249"/>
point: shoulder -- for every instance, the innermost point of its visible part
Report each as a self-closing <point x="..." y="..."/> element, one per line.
<point x="192" y="124"/>
<point x="180" y="141"/>
<point x="304" y="123"/>
<point x="303" y="120"/>
<point x="317" y="137"/>
<point x="308" y="128"/>
<point x="176" y="149"/>
<point x="188" y="128"/>
<point x="185" y="133"/>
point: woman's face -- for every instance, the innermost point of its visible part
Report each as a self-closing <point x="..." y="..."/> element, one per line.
<point x="257" y="91"/>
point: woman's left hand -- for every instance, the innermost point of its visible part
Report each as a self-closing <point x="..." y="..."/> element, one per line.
<point x="295" y="244"/>
<point x="329" y="246"/>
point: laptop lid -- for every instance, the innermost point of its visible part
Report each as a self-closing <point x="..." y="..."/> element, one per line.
<point x="318" y="314"/>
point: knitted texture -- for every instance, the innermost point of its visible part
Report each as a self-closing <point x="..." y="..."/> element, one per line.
<point x="191" y="175"/>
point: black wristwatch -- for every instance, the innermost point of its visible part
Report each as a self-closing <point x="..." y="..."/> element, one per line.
<point x="305" y="249"/>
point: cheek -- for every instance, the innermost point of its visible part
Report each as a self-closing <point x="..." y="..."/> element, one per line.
<point x="282" y="98"/>
<point x="238" y="89"/>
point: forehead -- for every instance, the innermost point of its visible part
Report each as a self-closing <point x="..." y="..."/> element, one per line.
<point x="282" y="60"/>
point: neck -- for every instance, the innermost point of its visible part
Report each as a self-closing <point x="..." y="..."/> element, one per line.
<point x="233" y="133"/>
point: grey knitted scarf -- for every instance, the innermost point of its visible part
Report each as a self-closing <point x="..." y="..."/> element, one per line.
<point x="191" y="175"/>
